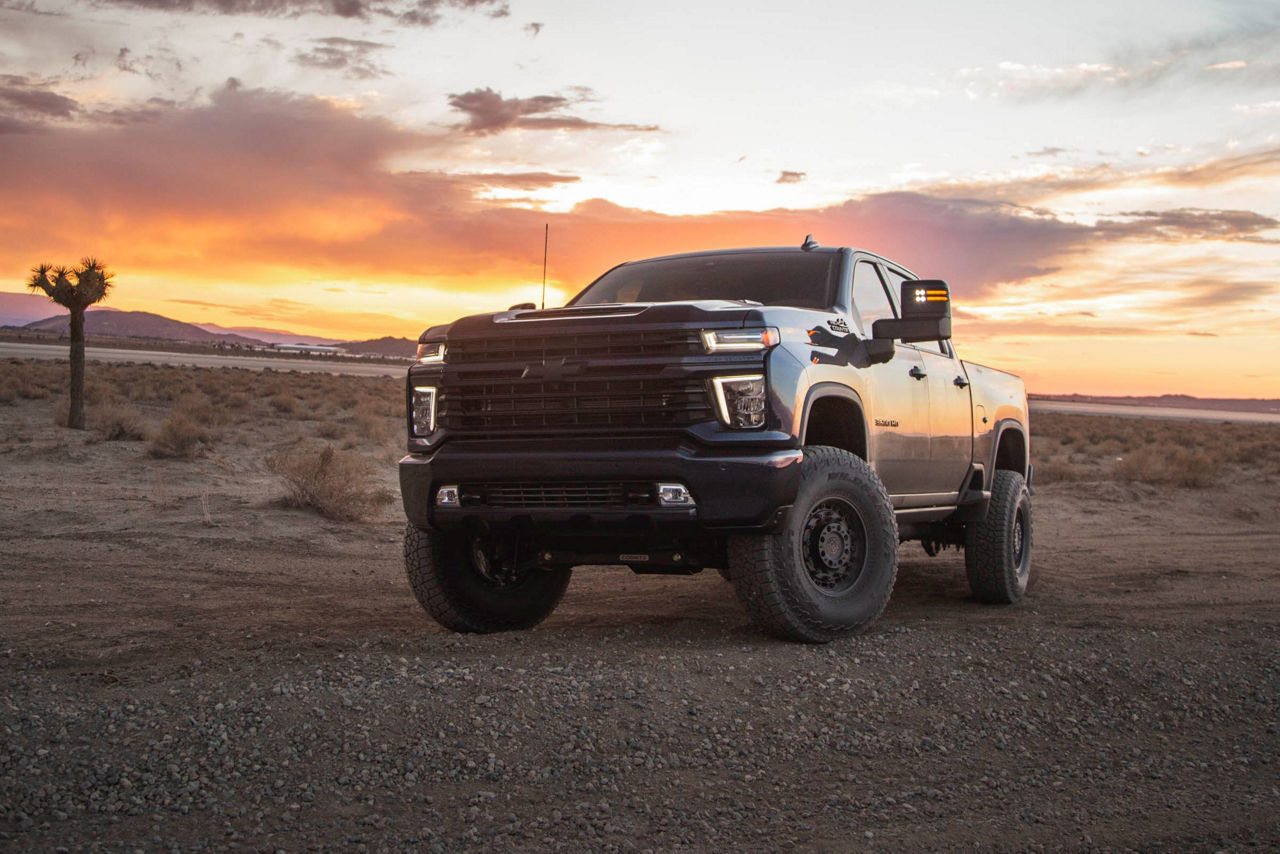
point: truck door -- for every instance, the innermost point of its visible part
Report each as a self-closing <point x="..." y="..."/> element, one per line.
<point x="897" y="408"/>
<point x="950" y="409"/>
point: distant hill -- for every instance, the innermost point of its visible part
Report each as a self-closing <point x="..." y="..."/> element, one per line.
<point x="17" y="309"/>
<point x="138" y="324"/>
<point x="21" y="309"/>
<point x="396" y="348"/>
<point x="271" y="336"/>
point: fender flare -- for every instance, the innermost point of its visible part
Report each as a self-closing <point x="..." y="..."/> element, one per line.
<point x="822" y="390"/>
<point x="1005" y="426"/>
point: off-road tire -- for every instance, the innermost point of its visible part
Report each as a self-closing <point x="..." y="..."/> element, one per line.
<point x="842" y="508"/>
<point x="449" y="588"/>
<point x="997" y="550"/>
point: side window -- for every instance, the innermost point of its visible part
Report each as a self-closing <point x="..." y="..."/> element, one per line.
<point x="869" y="297"/>
<point x="895" y="280"/>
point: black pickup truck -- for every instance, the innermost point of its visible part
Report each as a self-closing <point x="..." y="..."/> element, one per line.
<point x="787" y="416"/>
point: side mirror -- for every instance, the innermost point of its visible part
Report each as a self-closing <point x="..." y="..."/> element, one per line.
<point x="926" y="314"/>
<point x="522" y="306"/>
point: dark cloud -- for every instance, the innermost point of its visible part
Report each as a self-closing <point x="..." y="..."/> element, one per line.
<point x="422" y="13"/>
<point x="1190" y="224"/>
<point x="788" y="177"/>
<point x="1047" y="151"/>
<point x="124" y="63"/>
<point x="488" y="113"/>
<point x="27" y="103"/>
<point x="29" y="7"/>
<point x="255" y="180"/>
<point x="353" y="57"/>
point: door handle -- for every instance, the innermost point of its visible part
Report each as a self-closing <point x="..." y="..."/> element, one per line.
<point x="917" y="372"/>
<point x="961" y="382"/>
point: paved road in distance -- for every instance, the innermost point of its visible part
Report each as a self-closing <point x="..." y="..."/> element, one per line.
<point x="23" y="350"/>
<point x="1073" y="407"/>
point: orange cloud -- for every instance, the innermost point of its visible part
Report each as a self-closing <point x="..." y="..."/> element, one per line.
<point x="279" y="208"/>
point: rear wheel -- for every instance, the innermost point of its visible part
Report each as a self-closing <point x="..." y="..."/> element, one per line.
<point x="830" y="571"/>
<point x="997" y="551"/>
<point x="469" y="585"/>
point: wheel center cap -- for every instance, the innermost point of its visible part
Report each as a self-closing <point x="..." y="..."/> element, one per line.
<point x="833" y="545"/>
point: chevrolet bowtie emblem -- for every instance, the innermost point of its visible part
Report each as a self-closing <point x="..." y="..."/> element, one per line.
<point x="551" y="370"/>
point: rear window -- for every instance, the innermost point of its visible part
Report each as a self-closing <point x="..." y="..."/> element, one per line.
<point x="805" y="280"/>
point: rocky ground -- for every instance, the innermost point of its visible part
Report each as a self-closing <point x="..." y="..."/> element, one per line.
<point x="188" y="665"/>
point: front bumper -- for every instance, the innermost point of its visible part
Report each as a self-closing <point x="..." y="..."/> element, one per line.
<point x="733" y="489"/>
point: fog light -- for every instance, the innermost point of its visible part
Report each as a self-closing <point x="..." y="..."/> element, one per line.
<point x="424" y="410"/>
<point x="447" y="496"/>
<point x="740" y="400"/>
<point x="674" y="495"/>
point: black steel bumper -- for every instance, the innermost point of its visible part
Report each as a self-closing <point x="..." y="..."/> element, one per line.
<point x="733" y="489"/>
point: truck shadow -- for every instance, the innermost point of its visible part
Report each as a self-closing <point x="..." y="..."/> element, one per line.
<point x="927" y="588"/>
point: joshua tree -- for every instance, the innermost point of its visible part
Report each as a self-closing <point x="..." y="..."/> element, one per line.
<point x="75" y="290"/>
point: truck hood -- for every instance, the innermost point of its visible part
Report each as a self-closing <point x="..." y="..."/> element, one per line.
<point x="710" y="314"/>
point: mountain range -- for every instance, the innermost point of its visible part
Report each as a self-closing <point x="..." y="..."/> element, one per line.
<point x="33" y="312"/>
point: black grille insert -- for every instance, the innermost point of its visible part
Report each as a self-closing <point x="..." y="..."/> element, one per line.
<point x="530" y="404"/>
<point x="558" y="494"/>
<point x="538" y="348"/>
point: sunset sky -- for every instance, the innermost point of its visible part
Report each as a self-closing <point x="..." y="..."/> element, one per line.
<point x="1098" y="181"/>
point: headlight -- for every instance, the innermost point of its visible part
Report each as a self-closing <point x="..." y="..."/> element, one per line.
<point x="739" y="340"/>
<point x="740" y="400"/>
<point x="424" y="410"/>
<point x="431" y="352"/>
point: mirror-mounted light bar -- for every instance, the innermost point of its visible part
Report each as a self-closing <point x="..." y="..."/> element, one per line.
<point x="433" y="352"/>
<point x="740" y="340"/>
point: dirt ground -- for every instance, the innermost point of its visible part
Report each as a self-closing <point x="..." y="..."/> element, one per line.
<point x="190" y="664"/>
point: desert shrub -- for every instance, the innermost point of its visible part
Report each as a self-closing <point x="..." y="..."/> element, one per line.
<point x="1194" y="469"/>
<point x="179" y="437"/>
<point x="119" y="422"/>
<point x="330" y="430"/>
<point x="374" y="428"/>
<point x="285" y="403"/>
<point x="1058" y="470"/>
<point x="238" y="401"/>
<point x="201" y="409"/>
<point x="1144" y="465"/>
<point x="32" y="388"/>
<point x="330" y="481"/>
<point x="1178" y="466"/>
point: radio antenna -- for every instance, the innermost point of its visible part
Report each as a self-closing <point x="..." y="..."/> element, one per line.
<point x="546" y="237"/>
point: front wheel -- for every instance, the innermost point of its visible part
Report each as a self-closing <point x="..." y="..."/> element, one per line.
<point x="468" y="585"/>
<point x="997" y="550"/>
<point x="829" y="572"/>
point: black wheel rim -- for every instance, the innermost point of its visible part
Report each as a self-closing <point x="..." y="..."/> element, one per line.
<point x="1020" y="562"/>
<point x="834" y="544"/>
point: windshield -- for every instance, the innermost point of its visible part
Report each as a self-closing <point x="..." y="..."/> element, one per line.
<point x="805" y="280"/>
